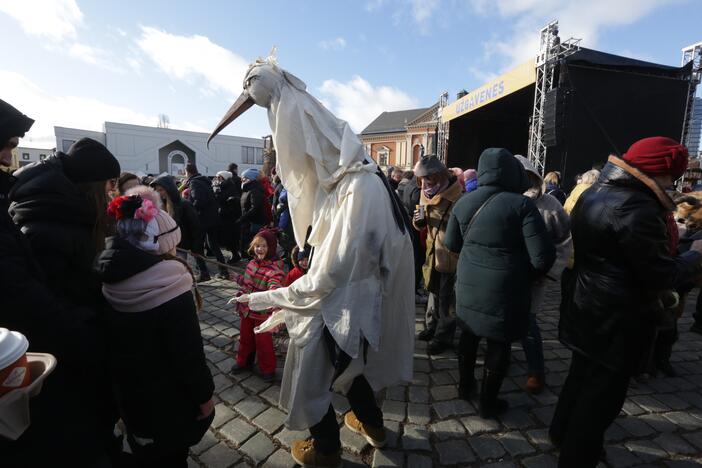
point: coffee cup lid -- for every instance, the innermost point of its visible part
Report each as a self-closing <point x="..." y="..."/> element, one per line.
<point x="12" y="346"/>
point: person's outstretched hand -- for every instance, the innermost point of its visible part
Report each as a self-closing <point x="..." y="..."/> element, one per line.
<point x="205" y="409"/>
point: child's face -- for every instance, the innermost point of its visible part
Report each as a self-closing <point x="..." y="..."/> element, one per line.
<point x="303" y="263"/>
<point x="260" y="249"/>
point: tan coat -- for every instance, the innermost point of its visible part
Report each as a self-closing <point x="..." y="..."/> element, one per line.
<point x="438" y="209"/>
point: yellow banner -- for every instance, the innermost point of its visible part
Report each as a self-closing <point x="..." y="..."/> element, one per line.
<point x="517" y="78"/>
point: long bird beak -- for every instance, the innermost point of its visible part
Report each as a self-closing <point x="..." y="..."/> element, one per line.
<point x="241" y="105"/>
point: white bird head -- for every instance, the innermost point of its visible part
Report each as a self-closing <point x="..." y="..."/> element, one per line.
<point x="262" y="85"/>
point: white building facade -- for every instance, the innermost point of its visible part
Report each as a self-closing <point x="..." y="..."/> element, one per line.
<point x="29" y="155"/>
<point x="151" y="150"/>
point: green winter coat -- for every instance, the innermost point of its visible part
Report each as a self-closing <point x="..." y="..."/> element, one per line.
<point x="507" y="247"/>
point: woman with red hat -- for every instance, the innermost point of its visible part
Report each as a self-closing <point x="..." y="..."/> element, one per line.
<point x="611" y="297"/>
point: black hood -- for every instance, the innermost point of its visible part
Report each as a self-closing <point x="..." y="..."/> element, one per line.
<point x="252" y="185"/>
<point x="43" y="192"/>
<point x="121" y="260"/>
<point x="13" y="123"/>
<point x="169" y="185"/>
<point x="498" y="167"/>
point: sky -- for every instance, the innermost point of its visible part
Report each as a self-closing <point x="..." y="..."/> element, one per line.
<point x="79" y="63"/>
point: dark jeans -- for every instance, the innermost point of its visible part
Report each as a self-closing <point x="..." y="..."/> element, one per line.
<point x="441" y="309"/>
<point x="534" y="348"/>
<point x="362" y="400"/>
<point x="697" y="315"/>
<point x="211" y="238"/>
<point x="590" y="400"/>
<point x="153" y="455"/>
<point x="497" y="355"/>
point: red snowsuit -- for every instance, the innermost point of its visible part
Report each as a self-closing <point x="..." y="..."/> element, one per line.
<point x="260" y="275"/>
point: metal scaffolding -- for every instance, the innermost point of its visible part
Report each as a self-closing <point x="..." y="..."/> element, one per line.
<point x="551" y="51"/>
<point x="692" y="54"/>
<point x="442" y="128"/>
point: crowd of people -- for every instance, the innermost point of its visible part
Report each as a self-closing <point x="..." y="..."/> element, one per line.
<point x="95" y="272"/>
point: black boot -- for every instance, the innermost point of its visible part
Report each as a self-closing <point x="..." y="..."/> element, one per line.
<point x="426" y="335"/>
<point x="490" y="405"/>
<point x="467" y="384"/>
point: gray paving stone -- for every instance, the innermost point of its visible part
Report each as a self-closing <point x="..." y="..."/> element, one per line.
<point x="674" y="445"/>
<point x="516" y="418"/>
<point x="449" y="429"/>
<point x="340" y="403"/>
<point x="270" y="420"/>
<point x="658" y="423"/>
<point x="646" y="450"/>
<point x="635" y="426"/>
<point x="540" y="438"/>
<point x="620" y="457"/>
<point x="387" y="458"/>
<point x="222" y="382"/>
<point x="207" y="441"/>
<point x="672" y="401"/>
<point x="258" y="448"/>
<point x="631" y="408"/>
<point x="351" y="440"/>
<point x="418" y="414"/>
<point x="394" y="410"/>
<point x="456" y="407"/>
<point x="219" y="456"/>
<point x="250" y="407"/>
<point x="392" y="434"/>
<point x="233" y="395"/>
<point x="397" y="393"/>
<point x="280" y="459"/>
<point x="415" y="438"/>
<point x="418" y="394"/>
<point x="441" y="378"/>
<point x="516" y="444"/>
<point x="237" y="431"/>
<point x="271" y="395"/>
<point x="454" y="452"/>
<point x="254" y="384"/>
<point x="445" y="392"/>
<point x="615" y="433"/>
<point x="477" y="425"/>
<point x="695" y="439"/>
<point x="500" y="464"/>
<point x="540" y="461"/>
<point x="684" y="420"/>
<point x="545" y="414"/>
<point x="650" y="404"/>
<point x="222" y="415"/>
<point x="286" y="437"/>
<point x="419" y="461"/>
<point x="486" y="447"/>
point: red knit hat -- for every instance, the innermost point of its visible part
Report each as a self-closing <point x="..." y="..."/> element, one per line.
<point x="272" y="241"/>
<point x="658" y="156"/>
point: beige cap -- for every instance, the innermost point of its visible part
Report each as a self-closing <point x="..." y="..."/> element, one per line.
<point x="168" y="236"/>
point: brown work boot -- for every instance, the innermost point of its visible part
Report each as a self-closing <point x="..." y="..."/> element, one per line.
<point x="535" y="384"/>
<point x="305" y="455"/>
<point x="373" y="435"/>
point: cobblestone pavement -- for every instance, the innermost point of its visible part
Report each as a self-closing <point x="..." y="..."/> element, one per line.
<point x="660" y="425"/>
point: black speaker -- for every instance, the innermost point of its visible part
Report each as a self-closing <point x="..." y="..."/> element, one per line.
<point x="554" y="113"/>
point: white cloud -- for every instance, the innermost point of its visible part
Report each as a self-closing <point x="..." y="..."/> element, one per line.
<point x="333" y="44"/>
<point x="51" y="19"/>
<point x="194" y="58"/>
<point x="50" y="110"/>
<point x="422" y="10"/>
<point x="579" y="19"/>
<point x="93" y="56"/>
<point x="358" y="102"/>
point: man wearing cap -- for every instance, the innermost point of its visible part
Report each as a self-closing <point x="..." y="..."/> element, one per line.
<point x="623" y="262"/>
<point x="440" y="191"/>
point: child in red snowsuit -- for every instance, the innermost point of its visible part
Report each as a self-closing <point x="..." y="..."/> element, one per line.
<point x="262" y="273"/>
<point x="300" y="259"/>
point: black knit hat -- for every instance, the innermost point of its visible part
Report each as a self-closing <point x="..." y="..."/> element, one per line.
<point x="429" y="165"/>
<point x="89" y="161"/>
<point x="13" y="123"/>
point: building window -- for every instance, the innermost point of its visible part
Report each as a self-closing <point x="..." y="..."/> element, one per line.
<point x="251" y="155"/>
<point x="25" y="156"/>
<point x="42" y="157"/>
<point x="65" y="144"/>
<point x="383" y="156"/>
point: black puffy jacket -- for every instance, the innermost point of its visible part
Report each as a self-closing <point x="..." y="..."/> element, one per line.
<point x="183" y="213"/>
<point x="203" y="199"/>
<point x="622" y="262"/>
<point x="157" y="360"/>
<point x="229" y="202"/>
<point x="252" y="206"/>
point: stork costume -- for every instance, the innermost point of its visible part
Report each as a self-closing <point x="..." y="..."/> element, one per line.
<point x="359" y="291"/>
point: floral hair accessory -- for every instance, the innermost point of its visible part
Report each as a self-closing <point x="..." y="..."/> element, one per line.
<point x="146" y="211"/>
<point x="127" y="207"/>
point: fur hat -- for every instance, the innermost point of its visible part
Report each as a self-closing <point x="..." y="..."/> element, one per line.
<point x="144" y="225"/>
<point x="429" y="165"/>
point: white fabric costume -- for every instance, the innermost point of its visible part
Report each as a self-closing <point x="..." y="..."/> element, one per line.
<point x="360" y="283"/>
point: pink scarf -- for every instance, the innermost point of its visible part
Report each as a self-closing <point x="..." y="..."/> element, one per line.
<point x="150" y="288"/>
<point x="431" y="190"/>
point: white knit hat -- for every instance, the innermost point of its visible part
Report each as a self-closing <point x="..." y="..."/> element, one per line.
<point x="224" y="175"/>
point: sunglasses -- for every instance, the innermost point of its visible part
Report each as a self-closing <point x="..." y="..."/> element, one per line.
<point x="164" y="233"/>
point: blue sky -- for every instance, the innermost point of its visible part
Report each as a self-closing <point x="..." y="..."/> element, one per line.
<point x="80" y="62"/>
